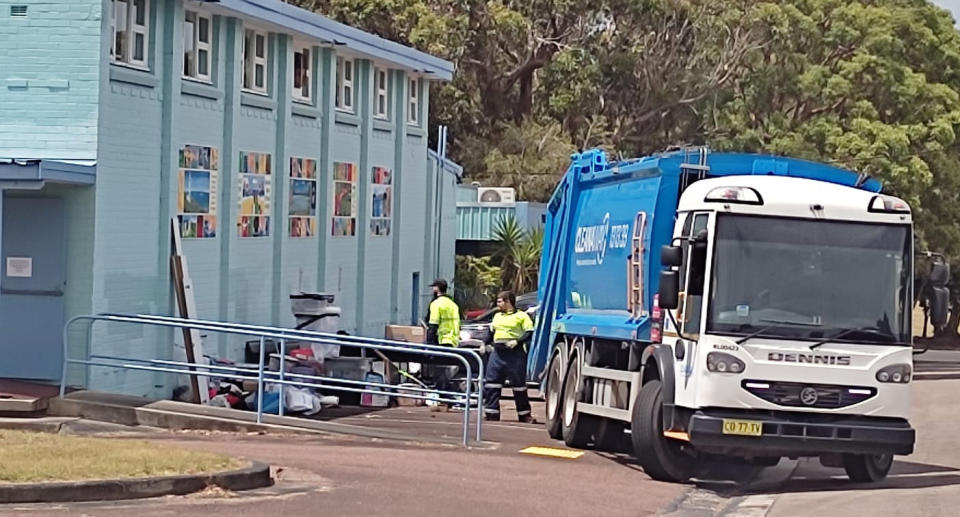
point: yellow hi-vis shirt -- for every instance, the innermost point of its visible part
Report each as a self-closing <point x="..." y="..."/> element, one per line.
<point x="445" y="314"/>
<point x="507" y="326"/>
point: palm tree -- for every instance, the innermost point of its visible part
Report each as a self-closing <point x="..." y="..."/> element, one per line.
<point x="519" y="253"/>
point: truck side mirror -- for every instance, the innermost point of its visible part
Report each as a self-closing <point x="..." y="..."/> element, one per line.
<point x="939" y="306"/>
<point x="671" y="256"/>
<point x="669" y="290"/>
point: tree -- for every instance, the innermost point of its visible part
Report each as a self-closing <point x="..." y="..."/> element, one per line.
<point x="476" y="281"/>
<point x="871" y="86"/>
<point x="519" y="254"/>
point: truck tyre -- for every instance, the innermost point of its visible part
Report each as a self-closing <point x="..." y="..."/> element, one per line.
<point x="867" y="468"/>
<point x="554" y="397"/>
<point x="611" y="436"/>
<point x="577" y="428"/>
<point x="662" y="458"/>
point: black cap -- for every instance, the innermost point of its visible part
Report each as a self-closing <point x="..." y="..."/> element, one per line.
<point x="440" y="284"/>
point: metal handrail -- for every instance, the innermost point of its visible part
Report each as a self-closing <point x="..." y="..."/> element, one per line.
<point x="282" y="334"/>
<point x="272" y="376"/>
<point x="340" y="339"/>
<point x="353" y="341"/>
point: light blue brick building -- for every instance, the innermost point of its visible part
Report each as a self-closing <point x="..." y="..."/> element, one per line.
<point x="290" y="149"/>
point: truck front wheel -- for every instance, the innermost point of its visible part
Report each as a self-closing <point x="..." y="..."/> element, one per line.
<point x="554" y="397"/>
<point x="662" y="458"/>
<point x="867" y="468"/>
<point x="577" y="427"/>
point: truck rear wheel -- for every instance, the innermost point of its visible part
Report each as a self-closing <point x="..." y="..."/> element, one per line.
<point x="867" y="468"/>
<point x="662" y="458"/>
<point x="554" y="397"/>
<point x="577" y="428"/>
<point x="611" y="436"/>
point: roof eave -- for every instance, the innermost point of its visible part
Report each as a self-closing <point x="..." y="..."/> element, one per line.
<point x="324" y="29"/>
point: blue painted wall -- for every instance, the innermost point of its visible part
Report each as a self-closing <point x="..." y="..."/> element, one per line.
<point x="134" y="125"/>
<point x="49" y="77"/>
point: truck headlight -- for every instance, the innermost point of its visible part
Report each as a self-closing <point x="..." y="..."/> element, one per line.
<point x="724" y="363"/>
<point x="896" y="373"/>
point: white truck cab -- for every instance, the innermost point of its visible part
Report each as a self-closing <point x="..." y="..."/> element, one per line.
<point x="787" y="306"/>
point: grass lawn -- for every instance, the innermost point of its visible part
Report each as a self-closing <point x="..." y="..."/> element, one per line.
<point x="37" y="457"/>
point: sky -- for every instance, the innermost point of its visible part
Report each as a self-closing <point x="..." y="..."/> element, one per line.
<point x="952" y="5"/>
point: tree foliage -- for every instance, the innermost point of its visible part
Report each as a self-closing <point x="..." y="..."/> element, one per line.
<point x="872" y="85"/>
<point x="518" y="251"/>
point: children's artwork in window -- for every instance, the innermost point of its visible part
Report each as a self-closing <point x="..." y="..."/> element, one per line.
<point x="197" y="191"/>
<point x="381" y="202"/>
<point x="344" y="200"/>
<point x="255" y="193"/>
<point x="303" y="198"/>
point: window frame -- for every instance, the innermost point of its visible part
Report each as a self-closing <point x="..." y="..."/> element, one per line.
<point x="251" y="62"/>
<point x="381" y="93"/>
<point x="413" y="101"/>
<point x="198" y="46"/>
<point x="131" y="29"/>
<point x="346" y="89"/>
<point x="307" y="52"/>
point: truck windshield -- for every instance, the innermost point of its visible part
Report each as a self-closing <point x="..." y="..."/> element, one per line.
<point x="819" y="278"/>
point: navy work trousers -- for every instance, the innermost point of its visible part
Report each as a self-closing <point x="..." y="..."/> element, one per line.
<point x="506" y="364"/>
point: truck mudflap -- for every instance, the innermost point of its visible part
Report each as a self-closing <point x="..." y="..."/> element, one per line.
<point x="745" y="433"/>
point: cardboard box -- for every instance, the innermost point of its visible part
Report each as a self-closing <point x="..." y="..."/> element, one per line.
<point x="412" y="334"/>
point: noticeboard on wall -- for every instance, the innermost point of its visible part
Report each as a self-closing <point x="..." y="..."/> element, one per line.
<point x="255" y="194"/>
<point x="197" y="191"/>
<point x="344" y="223"/>
<point x="381" y="201"/>
<point x="302" y="211"/>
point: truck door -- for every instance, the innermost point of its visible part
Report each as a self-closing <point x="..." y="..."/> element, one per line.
<point x="688" y="314"/>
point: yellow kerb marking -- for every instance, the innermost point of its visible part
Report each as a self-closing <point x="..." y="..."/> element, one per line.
<point x="569" y="454"/>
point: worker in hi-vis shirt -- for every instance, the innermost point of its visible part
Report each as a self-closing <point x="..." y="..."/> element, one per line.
<point x="512" y="330"/>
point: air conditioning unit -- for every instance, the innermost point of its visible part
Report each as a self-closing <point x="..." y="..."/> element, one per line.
<point x="496" y="195"/>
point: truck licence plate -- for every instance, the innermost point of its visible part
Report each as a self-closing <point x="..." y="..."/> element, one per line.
<point x="742" y="427"/>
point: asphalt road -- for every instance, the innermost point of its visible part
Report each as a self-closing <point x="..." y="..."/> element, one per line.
<point x="352" y="476"/>
<point x="926" y="483"/>
<point x="337" y="476"/>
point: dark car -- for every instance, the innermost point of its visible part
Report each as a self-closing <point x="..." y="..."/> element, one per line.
<point x="476" y="330"/>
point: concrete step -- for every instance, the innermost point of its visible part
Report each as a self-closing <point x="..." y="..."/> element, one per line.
<point x="167" y="414"/>
<point x="21" y="405"/>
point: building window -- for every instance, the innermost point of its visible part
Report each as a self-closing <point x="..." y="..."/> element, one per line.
<point x="129" y="22"/>
<point x="255" y="61"/>
<point x="345" y="72"/>
<point x="413" y="104"/>
<point x="197" y="38"/>
<point x="382" y="105"/>
<point x="301" y="74"/>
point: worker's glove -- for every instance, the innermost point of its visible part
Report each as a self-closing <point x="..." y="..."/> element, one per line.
<point x="512" y="343"/>
<point x="484" y="348"/>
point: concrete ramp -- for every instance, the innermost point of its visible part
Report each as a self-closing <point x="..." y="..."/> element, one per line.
<point x="168" y="414"/>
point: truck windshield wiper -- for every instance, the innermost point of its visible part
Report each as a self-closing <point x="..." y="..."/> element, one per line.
<point x="774" y="323"/>
<point x="866" y="330"/>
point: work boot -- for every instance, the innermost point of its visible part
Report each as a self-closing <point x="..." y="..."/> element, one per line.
<point x="528" y="419"/>
<point x="491" y="418"/>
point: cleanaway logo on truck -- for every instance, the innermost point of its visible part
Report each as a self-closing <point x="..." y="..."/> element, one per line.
<point x="593" y="241"/>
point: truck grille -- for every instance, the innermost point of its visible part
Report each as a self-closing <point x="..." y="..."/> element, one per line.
<point x="797" y="394"/>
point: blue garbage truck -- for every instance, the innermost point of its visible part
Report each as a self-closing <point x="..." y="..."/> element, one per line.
<point x="700" y="307"/>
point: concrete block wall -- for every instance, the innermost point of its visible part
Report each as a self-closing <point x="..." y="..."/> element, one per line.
<point x="49" y="79"/>
<point x="127" y="254"/>
<point x="141" y="120"/>
<point x="377" y="255"/>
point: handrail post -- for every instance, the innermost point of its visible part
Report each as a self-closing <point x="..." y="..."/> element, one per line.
<point x="260" y="383"/>
<point x="283" y="364"/>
